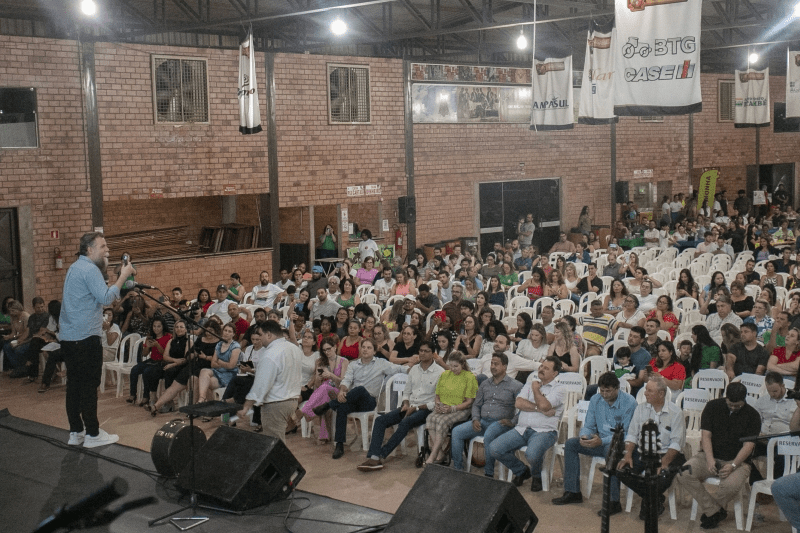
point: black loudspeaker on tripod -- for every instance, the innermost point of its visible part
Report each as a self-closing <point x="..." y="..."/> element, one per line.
<point x="407" y="209"/>
<point x="444" y="499"/>
<point x="241" y="470"/>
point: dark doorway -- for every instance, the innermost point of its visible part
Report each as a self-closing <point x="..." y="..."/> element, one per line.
<point x="10" y="281"/>
<point x="770" y="176"/>
<point x="502" y="204"/>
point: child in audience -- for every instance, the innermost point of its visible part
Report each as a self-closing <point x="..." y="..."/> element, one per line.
<point x="685" y="358"/>
<point x="623" y="368"/>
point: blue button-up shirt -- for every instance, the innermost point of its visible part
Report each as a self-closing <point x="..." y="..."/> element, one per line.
<point x="85" y="295"/>
<point x="601" y="418"/>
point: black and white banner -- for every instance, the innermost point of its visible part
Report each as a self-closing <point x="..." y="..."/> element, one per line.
<point x="597" y="86"/>
<point x="552" y="105"/>
<point x="793" y="85"/>
<point x="751" y="105"/>
<point x="249" y="112"/>
<point x="657" y="57"/>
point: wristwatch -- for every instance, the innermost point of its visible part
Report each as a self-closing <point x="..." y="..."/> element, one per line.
<point x="733" y="465"/>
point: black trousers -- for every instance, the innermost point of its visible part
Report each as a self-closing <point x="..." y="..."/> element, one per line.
<point x="34" y="349"/>
<point x="53" y="358"/>
<point x="237" y="389"/>
<point x="84" y="360"/>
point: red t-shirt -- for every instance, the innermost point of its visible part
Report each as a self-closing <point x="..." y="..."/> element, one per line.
<point x="668" y="317"/>
<point x="780" y="353"/>
<point x="154" y="355"/>
<point x="241" y="326"/>
<point x="673" y="371"/>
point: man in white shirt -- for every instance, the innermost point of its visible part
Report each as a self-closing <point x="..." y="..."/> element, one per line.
<point x="419" y="398"/>
<point x="445" y="289"/>
<point x="651" y="235"/>
<point x="776" y="411"/>
<point x="367" y="247"/>
<point x="265" y="293"/>
<point x="383" y="287"/>
<point x="285" y="281"/>
<point x="708" y="246"/>
<point x="220" y="308"/>
<point x="724" y="315"/>
<point x="541" y="403"/>
<point x="723" y="247"/>
<point x="515" y="365"/>
<point x="277" y="384"/>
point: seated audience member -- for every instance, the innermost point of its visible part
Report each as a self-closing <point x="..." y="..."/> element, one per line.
<point x="346" y="296"/>
<point x="751" y="277"/>
<point x="647" y="300"/>
<point x="667" y="321"/>
<point x="672" y="438"/>
<point x="563" y="348"/>
<point x="747" y="356"/>
<point x="563" y="245"/>
<point x="151" y="368"/>
<point x="240" y="325"/>
<point x="776" y="336"/>
<point x="455" y="392"/>
<point x="199" y="357"/>
<point x="426" y="301"/>
<point x="705" y="352"/>
<point x="384" y="286"/>
<point x="597" y="328"/>
<point x="15" y="358"/>
<point x="367" y="273"/>
<point x="224" y="364"/>
<point x="324" y="306"/>
<point x="330" y="370"/>
<point x="406" y="349"/>
<point x="776" y="411"/>
<point x="535" y="347"/>
<point x="785" y="263"/>
<point x="418" y="401"/>
<point x="359" y="390"/>
<point x="786" y="490"/>
<point x="761" y="318"/>
<point x="111" y="335"/>
<point x="784" y="360"/>
<point x="622" y="366"/>
<point x="666" y="365"/>
<point x="220" y="307"/>
<point x="236" y="290"/>
<point x="606" y="410"/>
<point x="630" y="315"/>
<point x="348" y="347"/>
<point x="724" y="421"/>
<point x="724" y="315"/>
<point x="174" y="357"/>
<point x="265" y="294"/>
<point x="203" y="300"/>
<point x="516" y="364"/>
<point x="592" y="282"/>
<point x="53" y="357"/>
<point x="492" y="412"/>
<point x="541" y="402"/>
<point x="40" y="336"/>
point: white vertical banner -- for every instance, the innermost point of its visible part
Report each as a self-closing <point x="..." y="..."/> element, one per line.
<point x="751" y="104"/>
<point x="793" y="84"/>
<point x="657" y="69"/>
<point x="552" y="105"/>
<point x="597" y="85"/>
<point x="249" y="112"/>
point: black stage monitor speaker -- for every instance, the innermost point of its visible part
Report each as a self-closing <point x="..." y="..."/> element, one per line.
<point x="242" y="470"/>
<point x="444" y="499"/>
<point x="407" y="209"/>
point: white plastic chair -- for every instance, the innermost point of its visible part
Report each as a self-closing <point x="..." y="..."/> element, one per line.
<point x="789" y="447"/>
<point x="120" y="359"/>
<point x="129" y="363"/>
<point x="641" y="399"/>
<point x="687" y="304"/>
<point x="753" y="382"/>
<point x="713" y="380"/>
<point x="516" y="303"/>
<point x="499" y="311"/>
<point x="598" y="365"/>
<point x="566" y="306"/>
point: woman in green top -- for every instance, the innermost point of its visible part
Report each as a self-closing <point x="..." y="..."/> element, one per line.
<point x="5" y="315"/>
<point x="705" y="353"/>
<point x="236" y="290"/>
<point x="455" y="392"/>
<point x="327" y="243"/>
<point x="507" y="276"/>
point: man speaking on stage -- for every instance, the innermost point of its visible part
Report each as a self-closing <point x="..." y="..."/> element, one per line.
<point x="81" y="324"/>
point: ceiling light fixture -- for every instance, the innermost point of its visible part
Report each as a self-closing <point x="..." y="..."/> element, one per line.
<point x="88" y="7"/>
<point x="522" y="42"/>
<point x="752" y="58"/>
<point x="797" y="10"/>
<point x="338" y="27"/>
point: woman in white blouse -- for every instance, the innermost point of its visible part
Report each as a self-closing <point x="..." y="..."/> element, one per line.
<point x="535" y="347"/>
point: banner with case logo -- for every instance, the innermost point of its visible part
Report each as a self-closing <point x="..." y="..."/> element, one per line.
<point x="552" y="106"/>
<point x="793" y="85"/>
<point x="597" y="86"/>
<point x="657" y="57"/>
<point x="249" y="112"/>
<point x="751" y="98"/>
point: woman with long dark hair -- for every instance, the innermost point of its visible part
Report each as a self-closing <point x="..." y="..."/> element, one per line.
<point x="667" y="365"/>
<point x="666" y="318"/>
<point x="204" y="299"/>
<point x="705" y="352"/>
<point x="687" y="287"/>
<point x="150" y="368"/>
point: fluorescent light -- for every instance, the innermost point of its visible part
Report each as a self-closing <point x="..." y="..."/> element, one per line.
<point x="797" y="9"/>
<point x="338" y="27"/>
<point x="88" y="7"/>
<point x="522" y="42"/>
<point x="752" y="58"/>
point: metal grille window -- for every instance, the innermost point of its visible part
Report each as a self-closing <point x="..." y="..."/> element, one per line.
<point x="348" y="92"/>
<point x="180" y="90"/>
<point x="725" y="101"/>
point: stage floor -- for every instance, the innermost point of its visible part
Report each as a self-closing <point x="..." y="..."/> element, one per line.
<point x="39" y="473"/>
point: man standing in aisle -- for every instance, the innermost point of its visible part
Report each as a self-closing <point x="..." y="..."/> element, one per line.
<point x="525" y="230"/>
<point x="81" y="324"/>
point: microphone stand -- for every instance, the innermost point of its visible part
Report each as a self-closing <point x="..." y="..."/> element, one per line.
<point x="763" y="438"/>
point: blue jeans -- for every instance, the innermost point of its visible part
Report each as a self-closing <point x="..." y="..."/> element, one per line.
<point x="15" y="357"/>
<point x="358" y="400"/>
<point x="463" y="433"/>
<point x="572" y="466"/>
<point x="538" y="442"/>
<point x="786" y="492"/>
<point x="404" y="425"/>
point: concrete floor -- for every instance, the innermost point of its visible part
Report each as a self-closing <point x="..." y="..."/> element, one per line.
<point x="383" y="490"/>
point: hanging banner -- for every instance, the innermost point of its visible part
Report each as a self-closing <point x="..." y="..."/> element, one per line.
<point x="552" y="105"/>
<point x="657" y="59"/>
<point x="752" y="98"/>
<point x="597" y="86"/>
<point x="793" y="85"/>
<point x="249" y="112"/>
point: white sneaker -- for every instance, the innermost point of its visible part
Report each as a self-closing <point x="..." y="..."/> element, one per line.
<point x="76" y="439"/>
<point x="101" y="439"/>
